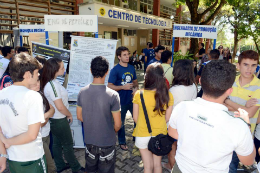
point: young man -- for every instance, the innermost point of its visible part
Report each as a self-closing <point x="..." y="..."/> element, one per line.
<point x="101" y="119"/>
<point x="23" y="49"/>
<point x="213" y="55"/>
<point x="245" y="87"/>
<point x="8" y="53"/>
<point x="21" y="117"/>
<point x="158" y="51"/>
<point x="123" y="79"/>
<point x="201" y="52"/>
<point x="207" y="125"/>
<point x="166" y="59"/>
<point x="149" y="55"/>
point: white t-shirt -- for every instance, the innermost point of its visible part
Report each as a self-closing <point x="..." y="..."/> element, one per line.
<point x="3" y="65"/>
<point x="207" y="136"/>
<point x="53" y="90"/>
<point x="21" y="107"/>
<point x="182" y="93"/>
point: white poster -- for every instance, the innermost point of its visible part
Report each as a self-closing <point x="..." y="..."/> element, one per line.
<point x="76" y="128"/>
<point x="83" y="50"/>
<point x="126" y="41"/>
<point x="84" y="23"/>
<point x="195" y="31"/>
<point x="142" y="41"/>
<point x="132" y="42"/>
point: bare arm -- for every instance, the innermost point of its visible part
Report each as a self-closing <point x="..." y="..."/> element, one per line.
<point x="251" y="111"/>
<point x="62" y="108"/>
<point x="173" y="132"/>
<point x="248" y="160"/>
<point x="168" y="113"/>
<point x="117" y="120"/>
<point x="127" y="86"/>
<point x="135" y="112"/>
<point x="135" y="83"/>
<point x="197" y="79"/>
<point x="145" y="59"/>
<point x="23" y="138"/>
<point x="79" y="113"/>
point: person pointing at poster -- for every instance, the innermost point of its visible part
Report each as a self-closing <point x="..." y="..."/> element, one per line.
<point x="123" y="79"/>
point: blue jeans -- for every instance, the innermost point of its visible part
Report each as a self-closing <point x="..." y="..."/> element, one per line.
<point x="234" y="163"/>
<point x="121" y="132"/>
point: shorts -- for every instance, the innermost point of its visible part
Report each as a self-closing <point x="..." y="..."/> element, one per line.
<point x="142" y="142"/>
<point x="35" y="166"/>
<point x="100" y="159"/>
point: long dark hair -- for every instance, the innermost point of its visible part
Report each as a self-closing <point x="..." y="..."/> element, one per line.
<point x="183" y="73"/>
<point x="46" y="104"/>
<point x="154" y="79"/>
<point x="50" y="68"/>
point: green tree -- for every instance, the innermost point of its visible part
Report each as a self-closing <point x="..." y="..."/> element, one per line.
<point x="202" y="12"/>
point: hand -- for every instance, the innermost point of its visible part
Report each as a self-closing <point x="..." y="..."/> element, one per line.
<point x="128" y="86"/>
<point x="197" y="55"/>
<point x="251" y="102"/>
<point x="242" y="114"/>
<point x="70" y="119"/>
<point x="2" y="164"/>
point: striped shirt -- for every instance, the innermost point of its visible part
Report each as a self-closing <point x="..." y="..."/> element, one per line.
<point x="241" y="95"/>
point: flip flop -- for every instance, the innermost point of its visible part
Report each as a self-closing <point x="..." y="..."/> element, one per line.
<point x="125" y="147"/>
<point x="165" y="167"/>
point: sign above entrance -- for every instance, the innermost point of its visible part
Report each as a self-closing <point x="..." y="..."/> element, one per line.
<point x="124" y="17"/>
<point x="195" y="31"/>
<point x="77" y="23"/>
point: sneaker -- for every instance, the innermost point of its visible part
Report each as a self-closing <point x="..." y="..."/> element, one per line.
<point x="82" y="170"/>
<point x="67" y="166"/>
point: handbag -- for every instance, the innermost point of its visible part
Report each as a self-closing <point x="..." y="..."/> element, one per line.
<point x="161" y="144"/>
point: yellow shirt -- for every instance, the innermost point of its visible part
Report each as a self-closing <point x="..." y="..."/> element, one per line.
<point x="157" y="122"/>
<point x="241" y="95"/>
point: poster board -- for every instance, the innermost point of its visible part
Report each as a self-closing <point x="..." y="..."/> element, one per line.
<point x="50" y="52"/>
<point x="76" y="23"/>
<point x="195" y="31"/>
<point x="26" y="29"/>
<point x="83" y="50"/>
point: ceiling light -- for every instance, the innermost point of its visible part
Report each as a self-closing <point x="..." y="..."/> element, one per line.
<point x="171" y="17"/>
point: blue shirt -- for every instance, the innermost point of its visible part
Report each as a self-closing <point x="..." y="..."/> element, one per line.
<point x="150" y="55"/>
<point x="120" y="76"/>
<point x="154" y="60"/>
<point x="202" y="66"/>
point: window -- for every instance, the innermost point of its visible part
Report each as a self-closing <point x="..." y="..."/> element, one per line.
<point x="146" y="6"/>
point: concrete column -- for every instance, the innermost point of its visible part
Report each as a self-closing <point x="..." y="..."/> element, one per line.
<point x="156" y="12"/>
<point x="138" y="5"/>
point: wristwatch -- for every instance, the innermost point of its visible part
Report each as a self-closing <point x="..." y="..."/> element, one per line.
<point x="4" y="155"/>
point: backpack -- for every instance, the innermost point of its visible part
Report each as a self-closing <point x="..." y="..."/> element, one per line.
<point x="2" y="83"/>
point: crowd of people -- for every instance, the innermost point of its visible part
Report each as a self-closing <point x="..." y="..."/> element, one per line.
<point x="206" y="131"/>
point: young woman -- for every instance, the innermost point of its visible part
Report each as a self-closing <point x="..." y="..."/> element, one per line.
<point x="183" y="88"/>
<point x="158" y="101"/>
<point x="227" y="55"/>
<point x="58" y="98"/>
<point x="45" y="127"/>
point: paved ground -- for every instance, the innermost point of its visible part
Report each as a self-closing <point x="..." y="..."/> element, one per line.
<point x="126" y="161"/>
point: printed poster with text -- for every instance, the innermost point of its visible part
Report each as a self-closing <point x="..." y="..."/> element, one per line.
<point x="49" y="52"/>
<point x="83" y="50"/>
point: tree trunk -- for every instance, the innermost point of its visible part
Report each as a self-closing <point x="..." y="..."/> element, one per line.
<point x="194" y="46"/>
<point x="257" y="47"/>
<point x="235" y="45"/>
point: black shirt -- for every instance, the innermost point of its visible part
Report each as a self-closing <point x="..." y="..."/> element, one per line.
<point x="201" y="51"/>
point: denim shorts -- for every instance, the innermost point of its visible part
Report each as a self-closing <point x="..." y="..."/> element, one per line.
<point x="100" y="159"/>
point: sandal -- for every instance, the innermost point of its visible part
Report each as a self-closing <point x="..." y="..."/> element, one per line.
<point x="125" y="148"/>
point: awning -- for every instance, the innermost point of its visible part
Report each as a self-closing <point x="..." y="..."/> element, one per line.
<point x="110" y="15"/>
